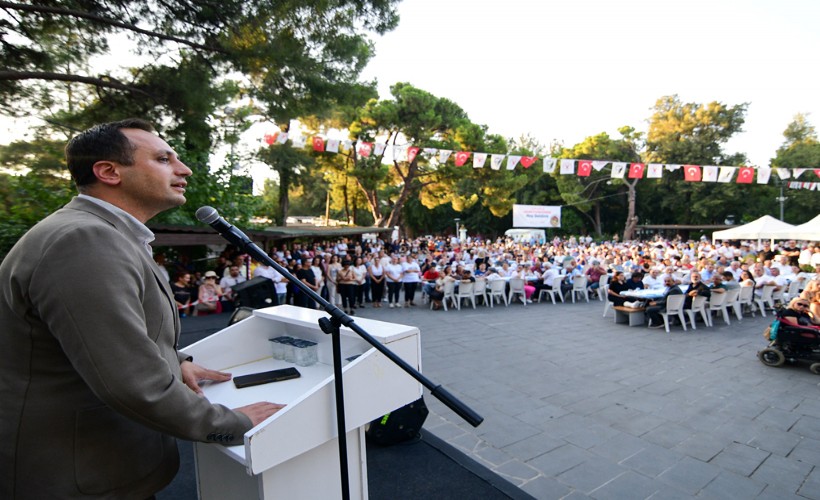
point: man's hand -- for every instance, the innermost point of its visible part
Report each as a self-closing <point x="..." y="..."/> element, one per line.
<point x="192" y="374"/>
<point x="258" y="412"/>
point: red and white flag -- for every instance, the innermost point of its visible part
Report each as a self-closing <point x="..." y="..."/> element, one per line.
<point x="479" y="159"/>
<point x="462" y="157"/>
<point x="270" y="139"/>
<point x="584" y="168"/>
<point x="318" y="143"/>
<point x="411" y="153"/>
<point x="691" y="173"/>
<point x="636" y="170"/>
<point x="527" y="161"/>
<point x="365" y="148"/>
<point x="745" y="175"/>
<point x="496" y="161"/>
<point x="618" y="170"/>
<point x="512" y="161"/>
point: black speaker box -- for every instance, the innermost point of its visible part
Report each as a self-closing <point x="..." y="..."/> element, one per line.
<point x="256" y="293"/>
<point x="400" y="425"/>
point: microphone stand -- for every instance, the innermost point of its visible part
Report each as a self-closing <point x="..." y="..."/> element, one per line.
<point x="331" y="326"/>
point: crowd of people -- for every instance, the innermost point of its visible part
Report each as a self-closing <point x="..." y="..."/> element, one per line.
<point x="358" y="274"/>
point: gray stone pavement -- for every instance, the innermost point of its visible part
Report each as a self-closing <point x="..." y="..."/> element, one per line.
<point x="578" y="407"/>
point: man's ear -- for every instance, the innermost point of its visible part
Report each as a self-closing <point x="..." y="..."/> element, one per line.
<point x="107" y="172"/>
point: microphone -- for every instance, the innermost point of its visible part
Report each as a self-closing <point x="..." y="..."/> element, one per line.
<point x="210" y="216"/>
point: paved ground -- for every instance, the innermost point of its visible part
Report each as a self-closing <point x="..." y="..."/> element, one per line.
<point x="578" y="407"/>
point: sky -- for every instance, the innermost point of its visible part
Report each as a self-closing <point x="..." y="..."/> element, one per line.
<point x="563" y="71"/>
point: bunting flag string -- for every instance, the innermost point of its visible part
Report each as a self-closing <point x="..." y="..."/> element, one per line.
<point x="565" y="166"/>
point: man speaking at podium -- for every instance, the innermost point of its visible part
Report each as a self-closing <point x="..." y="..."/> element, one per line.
<point x="92" y="386"/>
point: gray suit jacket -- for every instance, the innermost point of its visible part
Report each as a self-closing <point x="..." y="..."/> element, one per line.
<point x="90" y="382"/>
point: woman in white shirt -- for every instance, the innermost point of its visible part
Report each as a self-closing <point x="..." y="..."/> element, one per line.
<point x="393" y="273"/>
<point x="318" y="268"/>
<point x="332" y="278"/>
<point x="359" y="270"/>
<point x="411" y="276"/>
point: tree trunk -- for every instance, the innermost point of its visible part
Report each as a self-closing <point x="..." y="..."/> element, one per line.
<point x="406" y="189"/>
<point x="284" y="199"/>
<point x="631" y="218"/>
<point x="597" y="228"/>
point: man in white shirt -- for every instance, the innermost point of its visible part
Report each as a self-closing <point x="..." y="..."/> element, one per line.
<point x="233" y="278"/>
<point x="653" y="279"/>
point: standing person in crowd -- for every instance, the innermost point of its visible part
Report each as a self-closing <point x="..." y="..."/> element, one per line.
<point x="347" y="287"/>
<point x="209" y="295"/>
<point x="94" y="390"/>
<point x="181" y="289"/>
<point x="393" y="273"/>
<point x="305" y="275"/>
<point x="411" y="276"/>
<point x="360" y="271"/>
<point x="376" y="272"/>
<point x="332" y="279"/>
<point x="227" y="283"/>
<point x="318" y="268"/>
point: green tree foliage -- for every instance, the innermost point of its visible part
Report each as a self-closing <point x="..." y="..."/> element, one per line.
<point x="800" y="150"/>
<point x="691" y="133"/>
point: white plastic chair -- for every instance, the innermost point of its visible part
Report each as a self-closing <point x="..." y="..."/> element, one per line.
<point x="579" y="287"/>
<point x="480" y="290"/>
<point x="674" y="307"/>
<point x="465" y="291"/>
<point x="498" y="291"/>
<point x="733" y="301"/>
<point x="603" y="286"/>
<point x="765" y="299"/>
<point x="746" y="298"/>
<point x="607" y="303"/>
<point x="793" y="291"/>
<point x="718" y="302"/>
<point x="698" y="306"/>
<point x="517" y="288"/>
<point x="449" y="290"/>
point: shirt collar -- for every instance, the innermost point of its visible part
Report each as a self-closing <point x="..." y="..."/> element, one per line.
<point x="144" y="235"/>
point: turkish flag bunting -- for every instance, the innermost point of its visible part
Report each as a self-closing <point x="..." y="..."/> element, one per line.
<point x="745" y="175"/>
<point x="282" y="138"/>
<point x="379" y="149"/>
<point x="635" y="170"/>
<point x="365" y="148"/>
<point x="763" y="174"/>
<point x="527" y="161"/>
<point x="584" y="168"/>
<point x="691" y="173"/>
<point x="270" y="138"/>
<point x="817" y="172"/>
<point x="462" y="157"/>
<point x="318" y="143"/>
<point x="411" y="153"/>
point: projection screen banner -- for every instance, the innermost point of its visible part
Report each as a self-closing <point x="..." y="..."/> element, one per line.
<point x="536" y="216"/>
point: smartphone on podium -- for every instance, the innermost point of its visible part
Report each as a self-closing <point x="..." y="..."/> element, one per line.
<point x="266" y="377"/>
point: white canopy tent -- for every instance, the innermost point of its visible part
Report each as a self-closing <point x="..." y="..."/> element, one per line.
<point x="764" y="228"/>
<point x="809" y="231"/>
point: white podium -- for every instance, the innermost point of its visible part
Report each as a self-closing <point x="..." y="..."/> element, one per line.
<point x="294" y="454"/>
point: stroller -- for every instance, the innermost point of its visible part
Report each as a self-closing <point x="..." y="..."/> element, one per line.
<point x="791" y="342"/>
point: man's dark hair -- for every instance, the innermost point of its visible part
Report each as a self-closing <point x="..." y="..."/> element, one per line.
<point x="101" y="142"/>
<point x="728" y="275"/>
